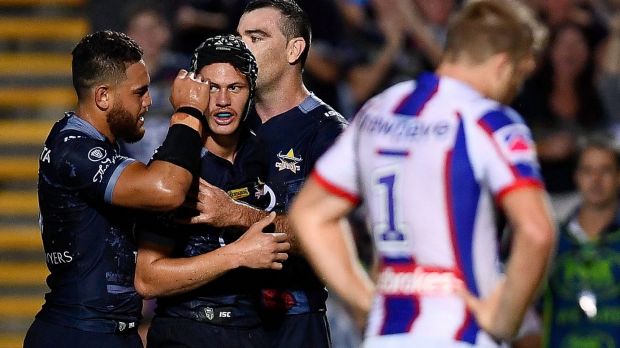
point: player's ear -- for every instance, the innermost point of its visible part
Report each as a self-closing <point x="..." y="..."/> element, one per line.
<point x="295" y="48"/>
<point x="503" y="64"/>
<point x="103" y="97"/>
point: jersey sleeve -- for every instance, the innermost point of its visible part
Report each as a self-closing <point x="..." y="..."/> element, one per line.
<point x="507" y="152"/>
<point x="336" y="170"/>
<point x="90" y="166"/>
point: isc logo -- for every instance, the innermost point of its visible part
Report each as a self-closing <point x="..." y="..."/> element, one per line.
<point x="224" y="314"/>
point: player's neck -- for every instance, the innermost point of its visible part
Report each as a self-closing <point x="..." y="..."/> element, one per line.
<point x="593" y="219"/>
<point x="223" y="146"/>
<point x="97" y="119"/>
<point x="476" y="76"/>
<point x="286" y="94"/>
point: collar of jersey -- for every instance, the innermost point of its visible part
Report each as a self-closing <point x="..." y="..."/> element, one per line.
<point x="74" y="122"/>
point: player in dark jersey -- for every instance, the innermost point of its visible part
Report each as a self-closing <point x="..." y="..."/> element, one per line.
<point x="294" y="128"/>
<point x="202" y="275"/>
<point x="86" y="192"/>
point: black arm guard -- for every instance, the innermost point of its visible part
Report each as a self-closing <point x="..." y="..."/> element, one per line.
<point x="182" y="147"/>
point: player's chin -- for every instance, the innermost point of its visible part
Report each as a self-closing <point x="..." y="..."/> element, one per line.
<point x="224" y="130"/>
<point x="135" y="136"/>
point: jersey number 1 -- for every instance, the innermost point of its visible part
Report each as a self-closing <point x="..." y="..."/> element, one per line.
<point x="386" y="185"/>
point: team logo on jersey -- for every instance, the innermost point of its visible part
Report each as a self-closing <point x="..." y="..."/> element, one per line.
<point x="288" y="161"/>
<point x="237" y="194"/>
<point x="209" y="313"/>
<point x="515" y="143"/>
<point x="96" y="154"/>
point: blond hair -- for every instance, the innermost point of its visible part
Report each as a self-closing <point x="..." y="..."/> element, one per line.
<point x="486" y="27"/>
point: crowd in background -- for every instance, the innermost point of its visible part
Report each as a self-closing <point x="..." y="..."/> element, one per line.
<point x="360" y="47"/>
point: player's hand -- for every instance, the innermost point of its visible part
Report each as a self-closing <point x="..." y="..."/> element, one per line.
<point x="486" y="311"/>
<point x="258" y="249"/>
<point x="190" y="89"/>
<point x="215" y="207"/>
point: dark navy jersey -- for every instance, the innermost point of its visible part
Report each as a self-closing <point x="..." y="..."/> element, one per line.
<point x="291" y="143"/>
<point x="236" y="289"/>
<point x="89" y="244"/>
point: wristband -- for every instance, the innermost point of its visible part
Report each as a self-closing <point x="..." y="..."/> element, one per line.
<point x="192" y="111"/>
<point x="181" y="147"/>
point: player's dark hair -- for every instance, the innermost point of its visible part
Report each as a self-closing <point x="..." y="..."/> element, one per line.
<point x="100" y="57"/>
<point x="294" y="21"/>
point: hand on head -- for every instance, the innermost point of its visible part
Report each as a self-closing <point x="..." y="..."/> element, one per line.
<point x="190" y="89"/>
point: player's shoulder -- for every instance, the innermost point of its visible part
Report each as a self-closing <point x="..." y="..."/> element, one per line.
<point x="73" y="137"/>
<point x="386" y="102"/>
<point x="322" y="113"/>
<point x="485" y="111"/>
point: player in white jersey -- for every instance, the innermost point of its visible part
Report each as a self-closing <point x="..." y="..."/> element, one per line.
<point x="432" y="159"/>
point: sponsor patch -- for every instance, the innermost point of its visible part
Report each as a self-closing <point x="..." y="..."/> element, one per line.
<point x="96" y="154"/>
<point x="413" y="280"/>
<point x="237" y="194"/>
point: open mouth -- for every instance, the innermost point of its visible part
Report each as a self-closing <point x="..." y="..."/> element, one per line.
<point x="223" y="118"/>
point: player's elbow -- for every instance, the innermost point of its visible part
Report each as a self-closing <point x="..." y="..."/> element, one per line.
<point x="167" y="199"/>
<point x="144" y="287"/>
<point x="144" y="282"/>
<point x="539" y="237"/>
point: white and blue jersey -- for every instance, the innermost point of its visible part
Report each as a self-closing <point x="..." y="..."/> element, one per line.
<point x="431" y="160"/>
<point x="89" y="244"/>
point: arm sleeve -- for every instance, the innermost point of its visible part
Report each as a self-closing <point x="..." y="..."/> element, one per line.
<point x="507" y="153"/>
<point x="90" y="166"/>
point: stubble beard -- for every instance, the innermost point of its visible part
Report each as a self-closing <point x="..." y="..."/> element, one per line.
<point x="124" y="125"/>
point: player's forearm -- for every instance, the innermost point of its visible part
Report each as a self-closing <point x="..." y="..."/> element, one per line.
<point x="170" y="276"/>
<point x="525" y="270"/>
<point x="163" y="184"/>
<point x="175" y="177"/>
<point x="329" y="247"/>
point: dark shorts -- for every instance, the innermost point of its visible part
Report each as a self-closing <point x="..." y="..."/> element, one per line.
<point x="308" y="330"/>
<point x="47" y="335"/>
<point x="181" y="332"/>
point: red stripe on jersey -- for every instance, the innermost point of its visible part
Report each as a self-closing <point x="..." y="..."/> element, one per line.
<point x="520" y="183"/>
<point x="333" y="189"/>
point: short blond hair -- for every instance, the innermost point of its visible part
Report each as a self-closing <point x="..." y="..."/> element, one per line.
<point x="483" y="28"/>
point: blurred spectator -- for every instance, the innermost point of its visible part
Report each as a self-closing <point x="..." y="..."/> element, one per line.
<point x="610" y="72"/>
<point x="582" y="300"/>
<point x="196" y="20"/>
<point x="560" y="103"/>
<point x="145" y="23"/>
<point x="404" y="38"/>
<point x="330" y="53"/>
